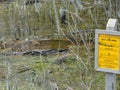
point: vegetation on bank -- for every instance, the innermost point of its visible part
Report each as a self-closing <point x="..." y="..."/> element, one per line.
<point x="29" y="21"/>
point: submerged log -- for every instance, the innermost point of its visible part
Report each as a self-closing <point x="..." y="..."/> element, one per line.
<point x="44" y="52"/>
<point x="28" y="2"/>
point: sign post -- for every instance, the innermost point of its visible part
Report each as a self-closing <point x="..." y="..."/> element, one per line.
<point x="111" y="77"/>
<point x="107" y="52"/>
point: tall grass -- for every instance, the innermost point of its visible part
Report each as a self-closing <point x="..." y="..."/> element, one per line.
<point x="42" y="19"/>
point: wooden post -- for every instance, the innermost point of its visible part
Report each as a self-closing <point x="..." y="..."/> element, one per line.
<point x="110" y="81"/>
<point x="111" y="77"/>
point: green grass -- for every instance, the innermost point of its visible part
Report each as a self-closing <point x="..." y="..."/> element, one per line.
<point x="70" y="73"/>
<point x="77" y="72"/>
<point x="74" y="72"/>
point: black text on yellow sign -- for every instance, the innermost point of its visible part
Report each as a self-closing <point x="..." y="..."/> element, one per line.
<point x="108" y="51"/>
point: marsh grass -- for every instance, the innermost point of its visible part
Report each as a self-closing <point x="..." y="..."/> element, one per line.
<point x="41" y="72"/>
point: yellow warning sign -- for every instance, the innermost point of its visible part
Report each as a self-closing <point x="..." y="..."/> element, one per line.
<point x="108" y="51"/>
